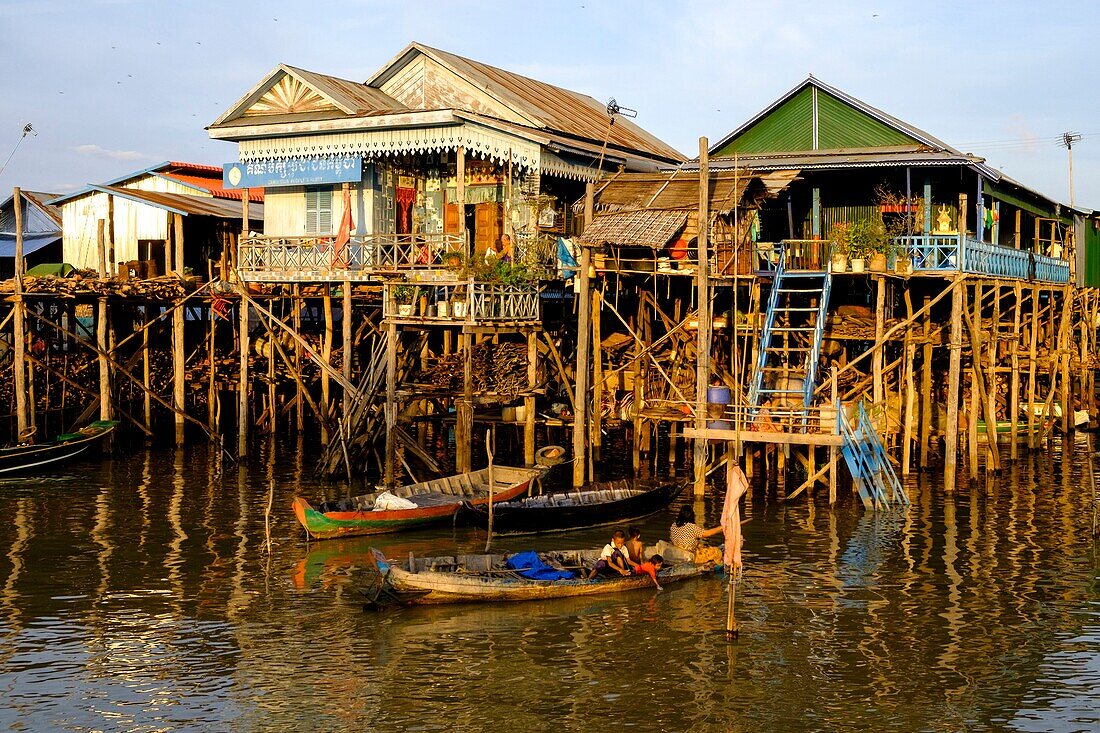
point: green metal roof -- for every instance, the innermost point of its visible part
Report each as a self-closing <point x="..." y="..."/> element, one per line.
<point x="788" y="127"/>
<point x="839" y="125"/>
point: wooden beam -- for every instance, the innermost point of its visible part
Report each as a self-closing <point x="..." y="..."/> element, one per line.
<point x="584" y="333"/>
<point x="179" y="374"/>
<point x="951" y="445"/>
<point x="19" y="336"/>
<point x="702" y="348"/>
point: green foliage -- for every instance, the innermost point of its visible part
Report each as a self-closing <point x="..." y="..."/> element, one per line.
<point x="403" y="293"/>
<point x="495" y="270"/>
<point x="866" y="237"/>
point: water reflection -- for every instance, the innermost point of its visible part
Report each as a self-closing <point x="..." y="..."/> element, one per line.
<point x="140" y="594"/>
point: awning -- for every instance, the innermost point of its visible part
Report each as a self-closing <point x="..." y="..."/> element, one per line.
<point x="649" y="228"/>
<point x="479" y="141"/>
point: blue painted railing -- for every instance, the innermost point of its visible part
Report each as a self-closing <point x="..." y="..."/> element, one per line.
<point x="956" y="253"/>
<point x="932" y="253"/>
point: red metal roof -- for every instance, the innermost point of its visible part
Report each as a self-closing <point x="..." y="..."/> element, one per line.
<point x="210" y="183"/>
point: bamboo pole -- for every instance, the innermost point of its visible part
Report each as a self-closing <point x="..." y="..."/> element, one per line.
<point x="296" y="322"/>
<point x="492" y="485"/>
<point x="975" y="380"/>
<point x="345" y="335"/>
<point x="391" y="402"/>
<point x="1014" y="388"/>
<point x="19" y="336"/>
<point x="596" y="423"/>
<point x="880" y="314"/>
<point x="529" y="400"/>
<point x="178" y="370"/>
<point x="242" y="385"/>
<point x="326" y="354"/>
<point x="952" y="428"/>
<point x="464" y="412"/>
<point x="910" y="389"/>
<point x="580" y="376"/>
<point x="926" y="388"/>
<point x="104" y="366"/>
<point x="1032" y="366"/>
<point x="702" y="349"/>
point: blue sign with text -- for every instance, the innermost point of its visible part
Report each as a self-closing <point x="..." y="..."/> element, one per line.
<point x="293" y="172"/>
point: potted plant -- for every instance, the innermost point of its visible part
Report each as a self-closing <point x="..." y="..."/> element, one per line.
<point x="867" y="239"/>
<point x="838" y="248"/>
<point x="403" y="296"/>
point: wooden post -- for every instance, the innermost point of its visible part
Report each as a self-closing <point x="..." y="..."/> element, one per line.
<point x="178" y="353"/>
<point x="326" y="354"/>
<point x="529" y="400"/>
<point x="104" y="366"/>
<point x="101" y="247"/>
<point x="702" y="346"/>
<point x="1014" y="388"/>
<point x="242" y="386"/>
<point x="952" y="428"/>
<point x="212" y="383"/>
<point x="974" y="407"/>
<point x="1065" y="334"/>
<point x="910" y="388"/>
<point x="835" y="402"/>
<point x="464" y="413"/>
<point x="391" y="402"/>
<point x="146" y="376"/>
<point x="460" y="195"/>
<point x="584" y="332"/>
<point x="880" y="314"/>
<point x="19" y="336"/>
<point x="597" y="378"/>
<point x="296" y="322"/>
<point x="492" y="485"/>
<point x="926" y="387"/>
<point x="110" y="250"/>
<point x="345" y="337"/>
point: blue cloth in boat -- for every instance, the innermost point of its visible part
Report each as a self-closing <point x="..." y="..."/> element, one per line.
<point x="529" y="565"/>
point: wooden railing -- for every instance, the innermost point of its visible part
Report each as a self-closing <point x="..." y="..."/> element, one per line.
<point x="469" y="302"/>
<point x="290" y="259"/>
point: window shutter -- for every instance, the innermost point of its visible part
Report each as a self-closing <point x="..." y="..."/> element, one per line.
<point x="311" y="211"/>
<point x="324" y="211"/>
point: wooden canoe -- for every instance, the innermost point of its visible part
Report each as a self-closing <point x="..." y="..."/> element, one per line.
<point x="436" y="501"/>
<point x="605" y="503"/>
<point x="36" y="456"/>
<point x="484" y="578"/>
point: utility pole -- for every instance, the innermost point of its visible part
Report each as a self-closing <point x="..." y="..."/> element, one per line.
<point x="1068" y="139"/>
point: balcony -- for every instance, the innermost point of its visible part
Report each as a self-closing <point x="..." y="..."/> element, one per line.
<point x="452" y="302"/>
<point x="930" y="254"/>
<point x="318" y="259"/>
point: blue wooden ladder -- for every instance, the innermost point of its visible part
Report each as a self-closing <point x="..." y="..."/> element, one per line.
<point x="874" y="476"/>
<point x="790" y="342"/>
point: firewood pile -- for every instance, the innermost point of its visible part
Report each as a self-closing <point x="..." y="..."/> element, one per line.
<point x="500" y="368"/>
<point x="85" y="282"/>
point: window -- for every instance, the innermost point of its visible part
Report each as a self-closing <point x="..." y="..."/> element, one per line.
<point x="319" y="211"/>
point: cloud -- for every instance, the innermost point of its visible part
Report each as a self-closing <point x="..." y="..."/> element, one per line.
<point x="101" y="152"/>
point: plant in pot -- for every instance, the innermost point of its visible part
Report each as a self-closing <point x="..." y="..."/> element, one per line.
<point x="403" y="296"/>
<point x="867" y="240"/>
<point x="839" y="239"/>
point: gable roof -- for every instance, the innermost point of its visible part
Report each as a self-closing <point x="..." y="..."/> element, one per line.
<point x="902" y="132"/>
<point x="543" y="105"/>
<point x="38" y="199"/>
<point x="288" y="93"/>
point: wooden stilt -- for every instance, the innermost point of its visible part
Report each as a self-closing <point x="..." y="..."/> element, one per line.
<point x="910" y="389"/>
<point x="529" y="399"/>
<point x="952" y="427"/>
<point x="178" y="371"/>
<point x="391" y="403"/>
<point x="464" y="413"/>
<point x="1014" y="387"/>
<point x="596" y="422"/>
<point x="926" y="387"/>
<point x="296" y="320"/>
<point x="702" y="347"/>
<point x="345" y="339"/>
<point x="972" y="414"/>
<point x="877" y="359"/>
<point x="19" y="339"/>
<point x="1032" y="357"/>
<point x="242" y="385"/>
<point x="326" y="354"/>
<point x="580" y="378"/>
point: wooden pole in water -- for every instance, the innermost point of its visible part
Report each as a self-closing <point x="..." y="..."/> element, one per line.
<point x="952" y="428"/>
<point x="975" y="378"/>
<point x="296" y="321"/>
<point x="926" y="386"/>
<point x="326" y="354"/>
<point x="529" y="400"/>
<point x="178" y="356"/>
<point x="584" y="333"/>
<point x="19" y="334"/>
<point x="1033" y="346"/>
<point x="702" y="347"/>
<point x="910" y="388"/>
<point x="489" y="475"/>
<point x="242" y="385"/>
<point x="1014" y="388"/>
<point x="596" y="441"/>
<point x="391" y="402"/>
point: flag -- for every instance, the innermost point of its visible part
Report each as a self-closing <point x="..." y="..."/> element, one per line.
<point x="736" y="486"/>
<point x="342" y="239"/>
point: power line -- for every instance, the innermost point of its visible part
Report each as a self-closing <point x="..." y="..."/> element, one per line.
<point x="27" y="130"/>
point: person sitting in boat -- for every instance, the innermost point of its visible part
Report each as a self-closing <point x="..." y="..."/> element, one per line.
<point x="614" y="560"/>
<point x="635" y="549"/>
<point x="688" y="536"/>
<point x="651" y="569"/>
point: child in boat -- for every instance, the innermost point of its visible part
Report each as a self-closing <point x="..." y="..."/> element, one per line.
<point x="635" y="550"/>
<point x="613" y="558"/>
<point x="688" y="536"/>
<point x="651" y="569"/>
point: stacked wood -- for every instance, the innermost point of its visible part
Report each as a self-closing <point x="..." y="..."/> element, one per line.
<point x="167" y="287"/>
<point x="497" y="368"/>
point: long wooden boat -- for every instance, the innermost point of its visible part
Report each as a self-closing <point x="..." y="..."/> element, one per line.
<point x="485" y="578"/>
<point x="436" y="501"/>
<point x="64" y="447"/>
<point x="604" y="503"/>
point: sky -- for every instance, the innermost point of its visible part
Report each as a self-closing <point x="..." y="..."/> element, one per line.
<point x="114" y="86"/>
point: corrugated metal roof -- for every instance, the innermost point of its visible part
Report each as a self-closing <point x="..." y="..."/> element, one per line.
<point x="214" y="186"/>
<point x="176" y="170"/>
<point x="184" y="204"/>
<point x="898" y="155"/>
<point x="39" y="199"/>
<point x="673" y="190"/>
<point x="643" y="228"/>
<point x="31" y="243"/>
<point x="558" y="109"/>
<point x="352" y="95"/>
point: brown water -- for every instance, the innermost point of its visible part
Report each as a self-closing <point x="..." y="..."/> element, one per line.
<point x="138" y="595"/>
